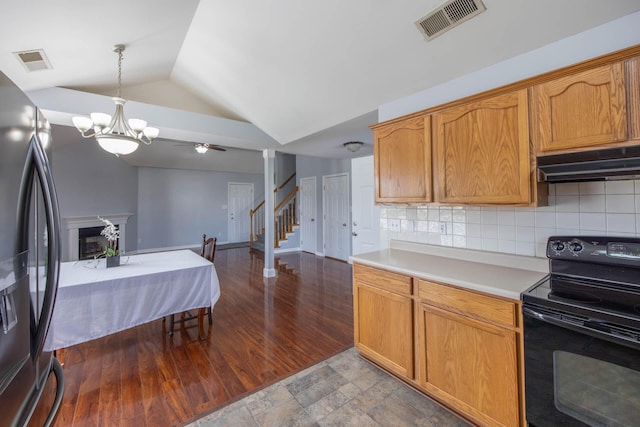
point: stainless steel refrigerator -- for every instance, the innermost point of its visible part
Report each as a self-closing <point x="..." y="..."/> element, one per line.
<point x="29" y="262"/>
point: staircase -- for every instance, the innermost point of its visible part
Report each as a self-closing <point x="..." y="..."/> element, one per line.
<point x="285" y="221"/>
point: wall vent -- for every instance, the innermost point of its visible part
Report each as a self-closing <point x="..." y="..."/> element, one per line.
<point x="33" y="60"/>
<point x="447" y="16"/>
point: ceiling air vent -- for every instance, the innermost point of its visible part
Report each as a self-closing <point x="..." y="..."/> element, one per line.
<point x="447" y="16"/>
<point x="33" y="60"/>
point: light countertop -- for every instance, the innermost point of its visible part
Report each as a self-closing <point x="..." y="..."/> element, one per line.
<point x="493" y="273"/>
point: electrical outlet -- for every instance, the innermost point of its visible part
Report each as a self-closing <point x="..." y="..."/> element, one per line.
<point x="394" y="225"/>
<point x="443" y="228"/>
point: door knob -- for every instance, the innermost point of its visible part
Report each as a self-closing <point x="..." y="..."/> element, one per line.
<point x="354" y="234"/>
<point x="354" y="224"/>
<point x="312" y="219"/>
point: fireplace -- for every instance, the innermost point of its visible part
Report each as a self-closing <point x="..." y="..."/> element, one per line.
<point x="91" y="243"/>
<point x="84" y="240"/>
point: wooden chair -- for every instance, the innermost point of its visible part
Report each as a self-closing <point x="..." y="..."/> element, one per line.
<point x="208" y="251"/>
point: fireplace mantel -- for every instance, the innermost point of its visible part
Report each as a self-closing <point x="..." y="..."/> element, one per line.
<point x="75" y="223"/>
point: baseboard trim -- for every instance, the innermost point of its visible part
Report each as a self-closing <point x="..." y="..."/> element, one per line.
<point x="285" y="250"/>
<point x="171" y="248"/>
<point x="165" y="249"/>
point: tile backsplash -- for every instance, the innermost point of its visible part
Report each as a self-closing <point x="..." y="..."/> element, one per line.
<point x="609" y="208"/>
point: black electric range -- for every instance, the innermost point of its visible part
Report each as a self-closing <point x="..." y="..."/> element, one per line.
<point x="582" y="334"/>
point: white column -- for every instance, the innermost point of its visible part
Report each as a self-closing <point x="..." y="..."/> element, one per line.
<point x="269" y="184"/>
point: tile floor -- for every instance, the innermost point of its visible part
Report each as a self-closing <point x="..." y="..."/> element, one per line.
<point x="344" y="390"/>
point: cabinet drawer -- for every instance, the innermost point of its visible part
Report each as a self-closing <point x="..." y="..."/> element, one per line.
<point x="392" y="282"/>
<point x="468" y="303"/>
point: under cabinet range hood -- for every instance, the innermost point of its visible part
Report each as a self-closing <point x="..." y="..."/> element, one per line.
<point x="594" y="165"/>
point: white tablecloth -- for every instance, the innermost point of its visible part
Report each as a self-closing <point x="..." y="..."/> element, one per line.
<point x="94" y="301"/>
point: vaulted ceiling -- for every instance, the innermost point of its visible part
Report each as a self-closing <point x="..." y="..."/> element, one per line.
<point x="299" y="76"/>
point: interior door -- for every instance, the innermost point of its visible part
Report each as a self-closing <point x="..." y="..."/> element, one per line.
<point x="240" y="203"/>
<point x="365" y="228"/>
<point x="308" y="213"/>
<point x="336" y="215"/>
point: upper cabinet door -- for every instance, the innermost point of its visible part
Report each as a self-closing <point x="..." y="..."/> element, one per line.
<point x="580" y="110"/>
<point x="402" y="157"/>
<point x="482" y="152"/>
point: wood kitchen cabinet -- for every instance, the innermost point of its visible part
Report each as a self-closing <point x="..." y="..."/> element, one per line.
<point x="468" y="352"/>
<point x="482" y="152"/>
<point x="383" y="314"/>
<point x="482" y="149"/>
<point x="580" y="110"/>
<point x="402" y="161"/>
<point x="458" y="346"/>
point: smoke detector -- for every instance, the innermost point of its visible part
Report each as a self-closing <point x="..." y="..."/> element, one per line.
<point x="447" y="16"/>
<point x="33" y="60"/>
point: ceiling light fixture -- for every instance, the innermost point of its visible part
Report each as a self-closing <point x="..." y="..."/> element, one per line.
<point x="116" y="134"/>
<point x="353" y="146"/>
<point x="201" y="148"/>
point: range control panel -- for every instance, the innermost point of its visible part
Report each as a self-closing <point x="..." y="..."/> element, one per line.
<point x="608" y="249"/>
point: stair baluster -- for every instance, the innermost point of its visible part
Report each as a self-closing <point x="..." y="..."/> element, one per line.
<point x="285" y="218"/>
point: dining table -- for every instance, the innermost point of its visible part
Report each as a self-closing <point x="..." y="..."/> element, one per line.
<point x="94" y="301"/>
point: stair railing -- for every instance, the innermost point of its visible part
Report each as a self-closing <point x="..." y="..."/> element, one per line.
<point x="285" y="216"/>
<point x="257" y="214"/>
<point x="256" y="222"/>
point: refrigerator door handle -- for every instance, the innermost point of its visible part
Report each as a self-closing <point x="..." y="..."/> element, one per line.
<point x="53" y="246"/>
<point x="37" y="165"/>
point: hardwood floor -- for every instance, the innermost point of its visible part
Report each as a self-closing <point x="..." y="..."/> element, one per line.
<point x="263" y="330"/>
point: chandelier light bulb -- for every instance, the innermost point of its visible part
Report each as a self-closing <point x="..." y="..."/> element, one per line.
<point x="117" y="146"/>
<point x="82" y="123"/>
<point x="100" y="119"/>
<point x="137" y="124"/>
<point x="151" y="133"/>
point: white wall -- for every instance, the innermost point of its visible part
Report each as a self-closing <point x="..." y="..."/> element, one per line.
<point x="90" y="181"/>
<point x="176" y="206"/>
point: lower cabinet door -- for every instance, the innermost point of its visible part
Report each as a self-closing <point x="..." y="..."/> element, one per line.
<point x="384" y="328"/>
<point x="470" y="364"/>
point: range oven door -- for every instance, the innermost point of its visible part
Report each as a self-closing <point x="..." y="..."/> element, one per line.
<point x="577" y="375"/>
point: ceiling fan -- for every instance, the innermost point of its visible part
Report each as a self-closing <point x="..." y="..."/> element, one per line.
<point x="200" y="147"/>
<point x="203" y="148"/>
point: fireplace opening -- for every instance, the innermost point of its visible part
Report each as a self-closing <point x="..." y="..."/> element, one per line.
<point x="90" y="242"/>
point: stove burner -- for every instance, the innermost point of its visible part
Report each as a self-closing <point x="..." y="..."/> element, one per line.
<point x="586" y="299"/>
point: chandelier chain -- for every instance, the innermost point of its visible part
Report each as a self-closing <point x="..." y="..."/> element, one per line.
<point x="119" y="72"/>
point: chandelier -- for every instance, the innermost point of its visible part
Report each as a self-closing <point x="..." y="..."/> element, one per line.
<point x="116" y="134"/>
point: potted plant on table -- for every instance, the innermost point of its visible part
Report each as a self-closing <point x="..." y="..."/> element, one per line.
<point x="111" y="233"/>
